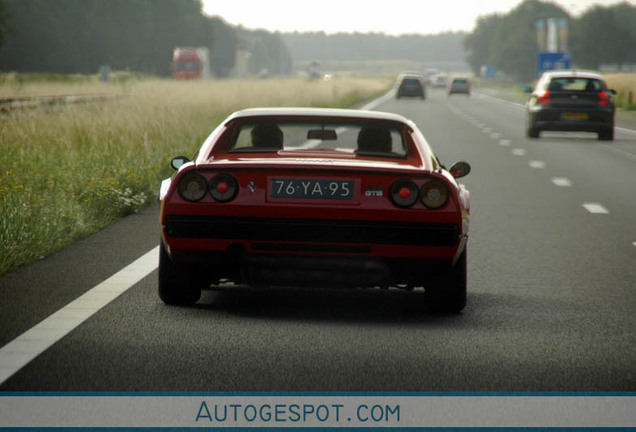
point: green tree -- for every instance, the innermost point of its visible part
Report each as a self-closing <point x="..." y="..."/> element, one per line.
<point x="478" y="43"/>
<point x="605" y="36"/>
<point x="514" y="48"/>
<point x="77" y="36"/>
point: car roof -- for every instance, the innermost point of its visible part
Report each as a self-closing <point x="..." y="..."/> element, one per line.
<point x="334" y="113"/>
<point x="410" y="75"/>
<point x="564" y="73"/>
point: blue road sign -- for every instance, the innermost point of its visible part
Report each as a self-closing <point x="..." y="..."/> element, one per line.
<point x="552" y="61"/>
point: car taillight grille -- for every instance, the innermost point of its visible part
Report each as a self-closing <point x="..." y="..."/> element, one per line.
<point x="313" y="230"/>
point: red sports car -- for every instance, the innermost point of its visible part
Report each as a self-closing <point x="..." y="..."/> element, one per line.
<point x="318" y="197"/>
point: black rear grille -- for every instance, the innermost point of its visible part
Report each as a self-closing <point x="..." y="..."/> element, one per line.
<point x="312" y="230"/>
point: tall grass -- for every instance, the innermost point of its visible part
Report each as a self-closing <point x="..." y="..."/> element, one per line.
<point x="625" y="86"/>
<point x="68" y="171"/>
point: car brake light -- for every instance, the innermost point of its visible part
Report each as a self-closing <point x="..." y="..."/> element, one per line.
<point x="223" y="187"/>
<point x="434" y="194"/>
<point x="193" y="186"/>
<point x="543" y="97"/>
<point x="403" y="193"/>
<point x="603" y="98"/>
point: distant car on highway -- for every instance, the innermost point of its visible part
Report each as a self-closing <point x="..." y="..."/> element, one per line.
<point x="568" y="100"/>
<point x="459" y="85"/>
<point x="337" y="198"/>
<point x="440" y="81"/>
<point x="411" y="85"/>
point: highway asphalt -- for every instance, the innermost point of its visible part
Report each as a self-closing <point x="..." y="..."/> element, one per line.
<point x="551" y="303"/>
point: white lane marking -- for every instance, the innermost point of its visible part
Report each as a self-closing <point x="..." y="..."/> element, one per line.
<point x="20" y="351"/>
<point x="562" y="181"/>
<point x="501" y="101"/>
<point x="505" y="142"/>
<point x="627" y="131"/>
<point x="595" y="208"/>
<point x="495" y="135"/>
<point x="487" y="129"/>
<point x="622" y="153"/>
<point x="374" y="103"/>
<point x="518" y="152"/>
<point x="536" y="164"/>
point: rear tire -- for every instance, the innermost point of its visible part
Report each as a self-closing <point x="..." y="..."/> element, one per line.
<point x="532" y="131"/>
<point x="177" y="285"/>
<point x="449" y="294"/>
<point x="606" y="134"/>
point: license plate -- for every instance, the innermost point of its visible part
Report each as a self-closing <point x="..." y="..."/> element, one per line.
<point x="312" y="189"/>
<point x="575" y="116"/>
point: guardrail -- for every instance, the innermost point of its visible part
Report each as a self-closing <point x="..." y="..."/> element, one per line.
<point x="8" y="104"/>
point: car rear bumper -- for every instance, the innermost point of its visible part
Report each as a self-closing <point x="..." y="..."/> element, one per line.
<point x="279" y="231"/>
<point x="556" y="119"/>
<point x="283" y="251"/>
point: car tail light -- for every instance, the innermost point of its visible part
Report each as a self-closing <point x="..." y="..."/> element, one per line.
<point x="434" y="194"/>
<point x="544" y="97"/>
<point x="223" y="187"/>
<point x="603" y="98"/>
<point x="404" y="193"/>
<point x="193" y="186"/>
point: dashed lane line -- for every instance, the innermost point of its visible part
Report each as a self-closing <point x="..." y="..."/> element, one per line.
<point x="20" y="351"/>
<point x="595" y="208"/>
<point x="561" y="181"/>
<point x="518" y="152"/>
<point x="536" y="164"/>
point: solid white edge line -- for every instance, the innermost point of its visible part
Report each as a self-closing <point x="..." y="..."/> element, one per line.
<point x="625" y="130"/>
<point x="374" y="103"/>
<point x="20" y="351"/>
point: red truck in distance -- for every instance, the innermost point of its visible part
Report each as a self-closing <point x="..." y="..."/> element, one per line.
<point x="191" y="63"/>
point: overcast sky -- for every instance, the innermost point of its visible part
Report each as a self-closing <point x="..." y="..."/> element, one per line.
<point x="392" y="17"/>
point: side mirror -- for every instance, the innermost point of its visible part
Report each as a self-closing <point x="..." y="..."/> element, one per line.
<point x="178" y="162"/>
<point x="527" y="89"/>
<point x="612" y="92"/>
<point x="460" y="169"/>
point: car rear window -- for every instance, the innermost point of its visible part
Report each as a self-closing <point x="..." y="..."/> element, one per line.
<point x="575" y="84"/>
<point x="351" y="138"/>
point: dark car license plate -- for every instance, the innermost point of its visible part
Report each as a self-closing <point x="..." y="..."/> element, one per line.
<point x="312" y="188"/>
<point x="574" y="116"/>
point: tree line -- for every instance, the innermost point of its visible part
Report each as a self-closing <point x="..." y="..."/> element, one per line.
<point x="318" y="46"/>
<point x="79" y="36"/>
<point x="602" y="35"/>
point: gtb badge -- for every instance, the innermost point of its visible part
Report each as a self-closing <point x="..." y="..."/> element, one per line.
<point x="373" y="191"/>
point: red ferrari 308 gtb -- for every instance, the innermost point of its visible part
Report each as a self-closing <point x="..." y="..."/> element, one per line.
<point x="295" y="196"/>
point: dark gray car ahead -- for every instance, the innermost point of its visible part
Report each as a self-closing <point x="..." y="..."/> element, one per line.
<point x="571" y="101"/>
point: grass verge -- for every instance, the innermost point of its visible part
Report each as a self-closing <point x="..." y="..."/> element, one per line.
<point x="68" y="171"/>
